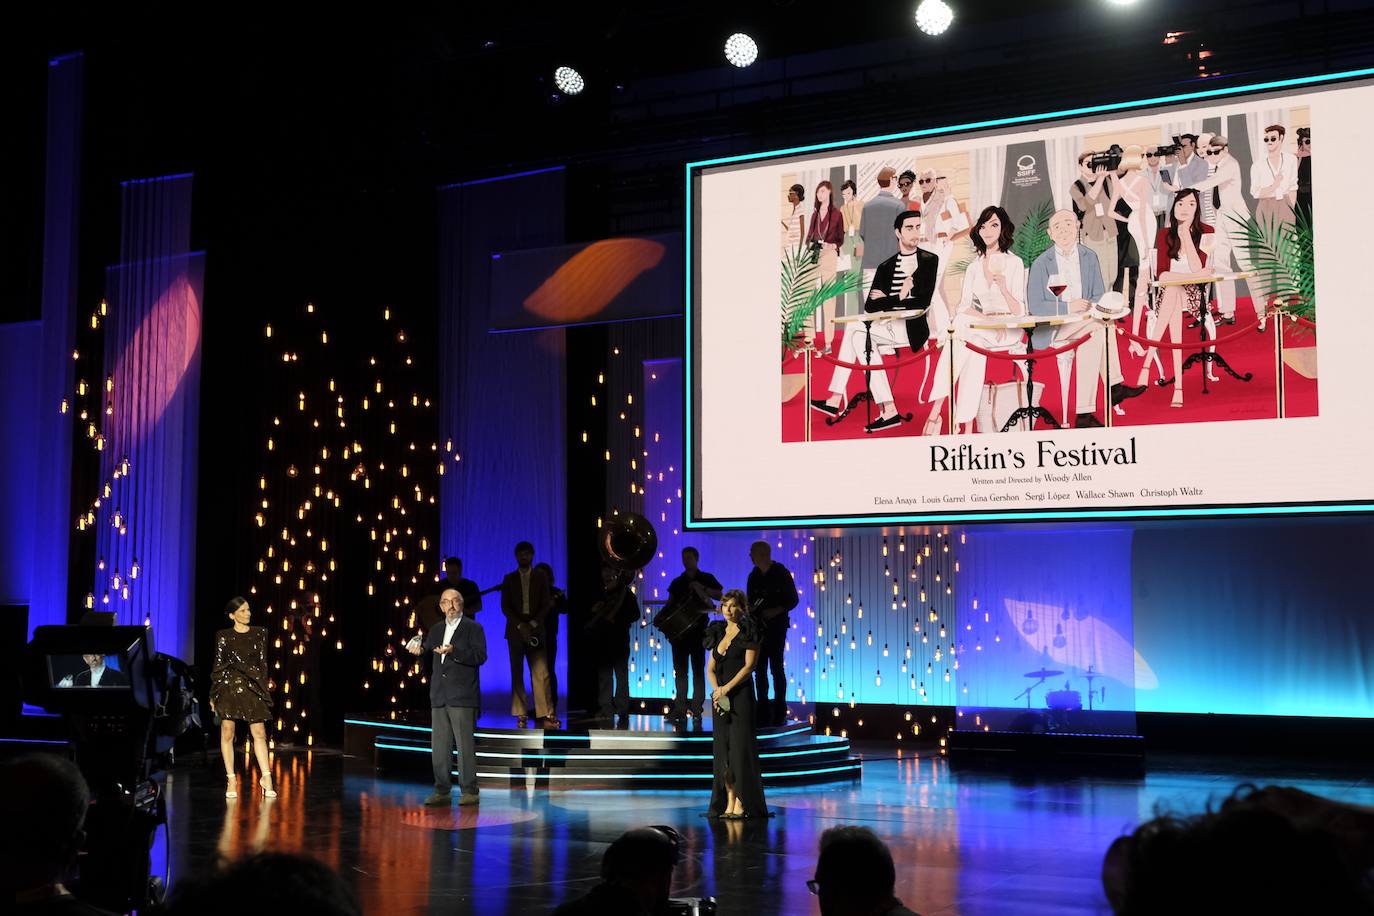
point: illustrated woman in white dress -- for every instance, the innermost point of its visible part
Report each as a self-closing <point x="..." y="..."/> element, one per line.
<point x="994" y="284"/>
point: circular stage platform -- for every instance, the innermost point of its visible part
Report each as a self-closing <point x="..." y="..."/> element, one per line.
<point x="650" y="754"/>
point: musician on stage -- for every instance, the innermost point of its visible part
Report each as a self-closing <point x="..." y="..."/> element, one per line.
<point x="696" y="590"/>
<point x="453" y="578"/>
<point x="558" y="607"/>
<point x="608" y="626"/>
<point x="772" y="594"/>
<point x="526" y="601"/>
<point x="427" y="610"/>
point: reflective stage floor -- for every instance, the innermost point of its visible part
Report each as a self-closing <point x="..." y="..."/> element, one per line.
<point x="965" y="842"/>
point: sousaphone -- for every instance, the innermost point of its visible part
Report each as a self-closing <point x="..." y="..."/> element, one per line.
<point x="627" y="543"/>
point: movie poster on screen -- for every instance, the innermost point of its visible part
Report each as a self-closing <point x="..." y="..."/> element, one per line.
<point x="1102" y="315"/>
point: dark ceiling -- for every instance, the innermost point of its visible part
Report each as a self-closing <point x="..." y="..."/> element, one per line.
<point x="318" y="134"/>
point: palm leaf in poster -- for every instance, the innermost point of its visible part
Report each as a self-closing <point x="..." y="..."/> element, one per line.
<point x="1281" y="254"/>
<point x="1032" y="237"/>
<point x="801" y="297"/>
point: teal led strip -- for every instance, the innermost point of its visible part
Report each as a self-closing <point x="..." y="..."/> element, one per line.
<point x="575" y="758"/>
<point x="850" y="766"/>
<point x="517" y="735"/>
<point x="603" y="777"/>
<point x="689" y="261"/>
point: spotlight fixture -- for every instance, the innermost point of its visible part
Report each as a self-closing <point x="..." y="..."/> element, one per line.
<point x="1121" y="2"/>
<point x="741" y="50"/>
<point x="933" y="16"/>
<point x="568" y="81"/>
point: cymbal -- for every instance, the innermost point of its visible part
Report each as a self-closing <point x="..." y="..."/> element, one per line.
<point x="1043" y="673"/>
<point x="1090" y="675"/>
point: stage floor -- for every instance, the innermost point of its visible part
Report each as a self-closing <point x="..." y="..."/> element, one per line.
<point x="965" y="842"/>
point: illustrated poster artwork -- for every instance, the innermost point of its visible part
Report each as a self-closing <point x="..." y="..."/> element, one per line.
<point x="1144" y="276"/>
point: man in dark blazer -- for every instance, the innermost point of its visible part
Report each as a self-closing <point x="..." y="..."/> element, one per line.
<point x="904" y="281"/>
<point x="526" y="600"/>
<point x="457" y="648"/>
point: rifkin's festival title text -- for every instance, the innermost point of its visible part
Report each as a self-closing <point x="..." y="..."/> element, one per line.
<point x="1047" y="454"/>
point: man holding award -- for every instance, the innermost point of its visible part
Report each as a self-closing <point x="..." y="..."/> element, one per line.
<point x="457" y="648"/>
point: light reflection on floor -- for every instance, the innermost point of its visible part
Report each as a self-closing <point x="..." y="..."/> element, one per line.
<point x="970" y="843"/>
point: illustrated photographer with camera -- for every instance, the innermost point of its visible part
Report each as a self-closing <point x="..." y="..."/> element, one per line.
<point x="1094" y="196"/>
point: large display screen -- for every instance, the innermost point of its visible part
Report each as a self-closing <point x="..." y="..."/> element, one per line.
<point x="1088" y="314"/>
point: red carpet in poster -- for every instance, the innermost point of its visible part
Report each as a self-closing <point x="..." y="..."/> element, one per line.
<point x="1229" y="398"/>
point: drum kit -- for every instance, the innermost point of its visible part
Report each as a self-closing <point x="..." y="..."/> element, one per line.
<point x="1066" y="699"/>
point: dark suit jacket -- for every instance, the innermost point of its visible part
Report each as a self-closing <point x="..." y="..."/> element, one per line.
<point x="541" y="599"/>
<point x="111" y="678"/>
<point x="922" y="290"/>
<point x="455" y="682"/>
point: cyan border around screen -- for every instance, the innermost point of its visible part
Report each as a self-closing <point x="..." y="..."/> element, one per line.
<point x="689" y="503"/>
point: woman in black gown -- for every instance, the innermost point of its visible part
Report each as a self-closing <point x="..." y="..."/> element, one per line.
<point x="238" y="692"/>
<point x="737" y="787"/>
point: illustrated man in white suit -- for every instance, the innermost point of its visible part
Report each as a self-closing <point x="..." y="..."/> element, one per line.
<point x="1232" y="212"/>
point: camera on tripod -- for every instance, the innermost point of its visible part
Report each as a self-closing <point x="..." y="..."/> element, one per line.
<point x="124" y="706"/>
<point x="1109" y="160"/>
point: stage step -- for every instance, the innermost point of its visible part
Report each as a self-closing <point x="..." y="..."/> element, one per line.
<point x="651" y="755"/>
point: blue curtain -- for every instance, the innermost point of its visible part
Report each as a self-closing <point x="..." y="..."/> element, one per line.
<point x="725" y="554"/>
<point x="1262" y="618"/>
<point x="501" y="401"/>
<point x="20" y="364"/>
<point x="53" y="519"/>
<point x="146" y="526"/>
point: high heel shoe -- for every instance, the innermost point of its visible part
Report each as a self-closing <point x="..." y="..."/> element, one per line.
<point x="1178" y="398"/>
<point x="231" y="789"/>
<point x="267" y="790"/>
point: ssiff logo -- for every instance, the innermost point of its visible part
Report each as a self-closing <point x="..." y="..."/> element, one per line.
<point x="1026" y="174"/>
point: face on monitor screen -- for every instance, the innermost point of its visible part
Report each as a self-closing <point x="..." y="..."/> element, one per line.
<point x="86" y="670"/>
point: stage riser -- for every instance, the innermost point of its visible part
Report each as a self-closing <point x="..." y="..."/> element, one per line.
<point x="602" y="758"/>
<point x="394" y="758"/>
<point x="417" y="766"/>
<point x="520" y="779"/>
<point x="618" y="756"/>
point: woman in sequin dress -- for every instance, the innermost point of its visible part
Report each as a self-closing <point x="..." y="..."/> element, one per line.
<point x="238" y="692"/>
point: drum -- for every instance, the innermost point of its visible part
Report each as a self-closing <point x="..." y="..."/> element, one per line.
<point x="1064" y="699"/>
<point x="676" y="620"/>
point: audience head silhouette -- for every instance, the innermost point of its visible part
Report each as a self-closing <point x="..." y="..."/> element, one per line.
<point x="44" y="809"/>
<point x="265" y="885"/>
<point x="1262" y="851"/>
<point x="855" y="875"/>
<point x="636" y="873"/>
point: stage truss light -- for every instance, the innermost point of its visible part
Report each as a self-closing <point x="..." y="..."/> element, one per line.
<point x="741" y="50"/>
<point x="568" y="81"/>
<point x="933" y="16"/>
